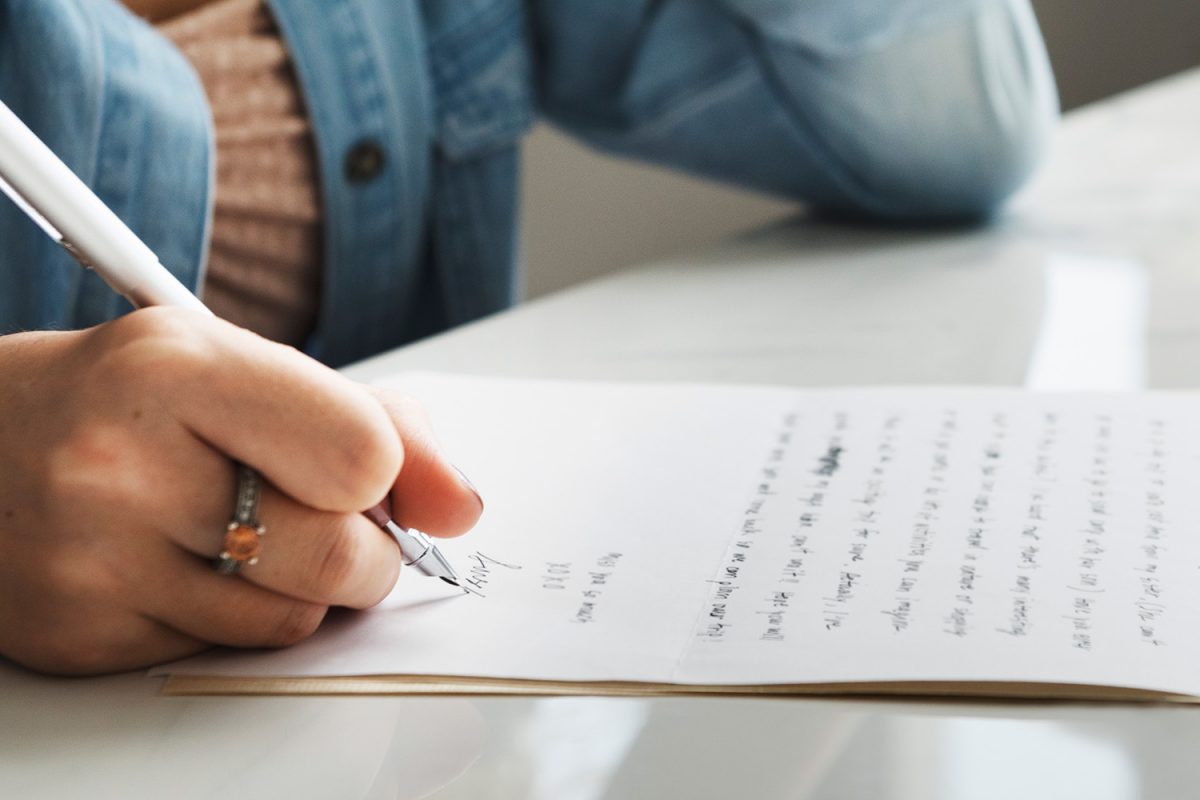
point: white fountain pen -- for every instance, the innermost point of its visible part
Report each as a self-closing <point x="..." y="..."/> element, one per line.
<point x="70" y="213"/>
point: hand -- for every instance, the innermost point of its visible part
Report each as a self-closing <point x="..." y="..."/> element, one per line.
<point x="117" y="482"/>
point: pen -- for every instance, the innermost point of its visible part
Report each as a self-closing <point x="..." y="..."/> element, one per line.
<point x="70" y="213"/>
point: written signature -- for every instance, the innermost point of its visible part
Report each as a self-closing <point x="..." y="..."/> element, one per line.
<point x="480" y="572"/>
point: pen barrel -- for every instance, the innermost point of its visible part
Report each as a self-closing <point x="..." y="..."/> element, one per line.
<point x="88" y="228"/>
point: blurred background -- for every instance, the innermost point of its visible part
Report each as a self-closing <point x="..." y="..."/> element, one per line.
<point x="585" y="214"/>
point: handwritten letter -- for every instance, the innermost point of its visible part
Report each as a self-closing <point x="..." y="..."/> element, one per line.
<point x="723" y="535"/>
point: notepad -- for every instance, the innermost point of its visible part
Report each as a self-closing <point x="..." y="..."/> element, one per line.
<point x="677" y="539"/>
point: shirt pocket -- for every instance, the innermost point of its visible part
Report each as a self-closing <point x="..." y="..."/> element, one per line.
<point x="482" y="78"/>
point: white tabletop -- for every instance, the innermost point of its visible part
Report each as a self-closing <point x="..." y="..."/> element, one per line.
<point x="1089" y="281"/>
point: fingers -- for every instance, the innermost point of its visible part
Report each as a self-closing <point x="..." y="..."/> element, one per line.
<point x="319" y="437"/>
<point x="133" y="426"/>
<point x="224" y="609"/>
<point x="430" y="494"/>
<point x="322" y="557"/>
<point x="315" y="434"/>
<point x="144" y="641"/>
<point x="93" y="643"/>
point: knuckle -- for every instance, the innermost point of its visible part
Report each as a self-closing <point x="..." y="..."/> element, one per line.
<point x="299" y="621"/>
<point x="96" y="467"/>
<point x="154" y="343"/>
<point x="156" y="322"/>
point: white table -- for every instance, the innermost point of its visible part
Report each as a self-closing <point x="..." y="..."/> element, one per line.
<point x="1103" y="252"/>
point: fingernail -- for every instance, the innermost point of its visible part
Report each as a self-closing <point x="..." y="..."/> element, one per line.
<point x="467" y="483"/>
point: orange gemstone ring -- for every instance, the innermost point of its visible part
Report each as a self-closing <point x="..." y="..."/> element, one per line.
<point x="243" y="535"/>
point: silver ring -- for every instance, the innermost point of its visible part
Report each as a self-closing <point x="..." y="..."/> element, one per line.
<point x="243" y="535"/>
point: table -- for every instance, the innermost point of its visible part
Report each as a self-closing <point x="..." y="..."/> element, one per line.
<point x="1088" y="281"/>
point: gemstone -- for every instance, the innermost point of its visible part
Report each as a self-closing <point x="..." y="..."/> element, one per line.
<point x="242" y="543"/>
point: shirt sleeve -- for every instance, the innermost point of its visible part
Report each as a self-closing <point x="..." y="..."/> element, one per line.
<point x="123" y="109"/>
<point x="920" y="109"/>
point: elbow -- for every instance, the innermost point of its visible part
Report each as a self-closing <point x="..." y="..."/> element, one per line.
<point x="953" y="130"/>
<point x="965" y="180"/>
<point x="958" y="173"/>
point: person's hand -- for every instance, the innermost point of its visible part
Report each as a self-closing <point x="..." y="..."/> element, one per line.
<point x="117" y="481"/>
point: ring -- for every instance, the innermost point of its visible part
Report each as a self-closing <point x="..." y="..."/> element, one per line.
<point x="243" y="536"/>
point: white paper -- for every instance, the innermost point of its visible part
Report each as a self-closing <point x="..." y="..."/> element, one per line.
<point x="739" y="535"/>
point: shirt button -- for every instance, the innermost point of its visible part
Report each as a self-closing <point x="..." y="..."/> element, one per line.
<point x="364" y="161"/>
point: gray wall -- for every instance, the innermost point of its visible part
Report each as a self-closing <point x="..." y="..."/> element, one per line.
<point x="1100" y="47"/>
<point x="586" y="214"/>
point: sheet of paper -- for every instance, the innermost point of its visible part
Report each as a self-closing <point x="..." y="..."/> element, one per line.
<point x="731" y="535"/>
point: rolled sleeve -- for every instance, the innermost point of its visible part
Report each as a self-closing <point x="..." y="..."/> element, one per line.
<point x="908" y="109"/>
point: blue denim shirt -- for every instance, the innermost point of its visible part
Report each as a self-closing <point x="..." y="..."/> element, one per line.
<point x="897" y="108"/>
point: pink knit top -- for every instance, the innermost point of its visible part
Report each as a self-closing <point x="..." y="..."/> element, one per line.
<point x="264" y="264"/>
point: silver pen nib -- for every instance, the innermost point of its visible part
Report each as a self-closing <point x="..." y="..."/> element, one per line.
<point x="418" y="549"/>
<point x="430" y="560"/>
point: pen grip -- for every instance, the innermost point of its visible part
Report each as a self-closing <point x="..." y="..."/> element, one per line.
<point x="412" y="547"/>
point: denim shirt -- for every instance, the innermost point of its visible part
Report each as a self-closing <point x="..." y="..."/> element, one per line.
<point x="900" y="108"/>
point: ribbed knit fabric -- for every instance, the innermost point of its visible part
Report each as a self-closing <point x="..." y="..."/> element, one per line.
<point x="265" y="255"/>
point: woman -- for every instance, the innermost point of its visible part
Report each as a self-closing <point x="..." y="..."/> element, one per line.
<point x="339" y="176"/>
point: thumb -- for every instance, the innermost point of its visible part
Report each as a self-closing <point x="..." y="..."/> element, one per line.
<point x="430" y="494"/>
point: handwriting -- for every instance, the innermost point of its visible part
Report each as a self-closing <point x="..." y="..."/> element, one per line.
<point x="947" y="522"/>
<point x="479" y="573"/>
